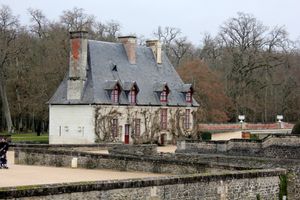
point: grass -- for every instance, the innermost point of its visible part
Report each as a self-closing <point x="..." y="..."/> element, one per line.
<point x="28" y="138"/>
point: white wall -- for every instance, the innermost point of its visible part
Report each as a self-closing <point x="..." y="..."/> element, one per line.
<point x="75" y="124"/>
<point x="71" y="124"/>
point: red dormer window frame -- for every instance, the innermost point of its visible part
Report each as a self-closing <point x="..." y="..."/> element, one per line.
<point x="164" y="95"/>
<point x="189" y="97"/>
<point x="115" y="93"/>
<point x="132" y="96"/>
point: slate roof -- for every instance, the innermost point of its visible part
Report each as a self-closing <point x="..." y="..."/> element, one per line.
<point x="108" y="65"/>
<point x="186" y="88"/>
<point x="128" y="85"/>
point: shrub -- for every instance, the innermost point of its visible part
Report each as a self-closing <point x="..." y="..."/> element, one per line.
<point x="282" y="186"/>
<point x="205" y="136"/>
<point x="296" y="128"/>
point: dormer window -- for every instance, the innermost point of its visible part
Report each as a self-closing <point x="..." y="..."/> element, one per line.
<point x="187" y="91"/>
<point x="188" y="97"/>
<point x="164" y="95"/>
<point x="162" y="91"/>
<point x="115" y="94"/>
<point x="113" y="89"/>
<point x="131" y="90"/>
<point x="132" y="96"/>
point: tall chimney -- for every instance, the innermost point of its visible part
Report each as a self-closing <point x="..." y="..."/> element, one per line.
<point x="129" y="43"/>
<point x="156" y="49"/>
<point x="77" y="64"/>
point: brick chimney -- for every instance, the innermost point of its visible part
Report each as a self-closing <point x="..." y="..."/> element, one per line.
<point x="77" y="64"/>
<point x="129" y="43"/>
<point x="156" y="49"/>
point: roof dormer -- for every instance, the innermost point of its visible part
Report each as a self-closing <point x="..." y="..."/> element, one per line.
<point x="114" y="89"/>
<point x="131" y="89"/>
<point x="187" y="90"/>
<point x="162" y="89"/>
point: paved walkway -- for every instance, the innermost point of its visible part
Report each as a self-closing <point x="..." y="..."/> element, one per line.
<point x="167" y="149"/>
<point x="20" y="175"/>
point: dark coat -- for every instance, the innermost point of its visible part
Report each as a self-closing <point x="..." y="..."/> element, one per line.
<point x="3" y="147"/>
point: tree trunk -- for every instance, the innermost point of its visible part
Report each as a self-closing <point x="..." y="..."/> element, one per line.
<point x="5" y="105"/>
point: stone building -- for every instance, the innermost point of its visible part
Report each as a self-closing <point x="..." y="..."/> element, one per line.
<point x="120" y="92"/>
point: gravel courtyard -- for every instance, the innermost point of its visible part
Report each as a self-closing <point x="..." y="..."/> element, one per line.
<point x="20" y="175"/>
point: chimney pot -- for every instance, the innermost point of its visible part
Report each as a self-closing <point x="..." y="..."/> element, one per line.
<point x="77" y="64"/>
<point x="78" y="34"/>
<point x="129" y="43"/>
<point x="156" y="49"/>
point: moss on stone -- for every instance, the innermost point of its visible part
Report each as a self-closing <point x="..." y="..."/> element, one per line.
<point x="282" y="186"/>
<point x="27" y="187"/>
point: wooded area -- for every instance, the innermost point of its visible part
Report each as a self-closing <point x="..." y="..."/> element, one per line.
<point x="247" y="68"/>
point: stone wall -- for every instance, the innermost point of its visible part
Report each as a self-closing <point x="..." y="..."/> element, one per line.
<point x="63" y="158"/>
<point x="263" y="184"/>
<point x="149" y="122"/>
<point x="274" y="151"/>
<point x="274" y="146"/>
<point x="69" y="147"/>
<point x="291" y="165"/>
<point x="244" y="126"/>
<point x="140" y="150"/>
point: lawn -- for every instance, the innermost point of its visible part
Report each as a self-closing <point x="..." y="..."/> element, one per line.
<point x="28" y="138"/>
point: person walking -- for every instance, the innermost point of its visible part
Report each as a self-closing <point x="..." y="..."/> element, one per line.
<point x="3" y="150"/>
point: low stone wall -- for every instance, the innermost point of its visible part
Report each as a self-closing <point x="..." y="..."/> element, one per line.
<point x="253" y="184"/>
<point x="97" y="146"/>
<point x="274" y="146"/>
<point x="63" y="158"/>
<point x="274" y="151"/>
<point x="139" y="150"/>
<point x="244" y="126"/>
<point x="291" y="165"/>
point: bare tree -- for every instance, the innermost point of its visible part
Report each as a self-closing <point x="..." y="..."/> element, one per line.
<point x="247" y="53"/>
<point x="106" y="31"/>
<point x="112" y="30"/>
<point x="40" y="22"/>
<point x="180" y="48"/>
<point x="167" y="35"/>
<point x="8" y="33"/>
<point x="76" y="20"/>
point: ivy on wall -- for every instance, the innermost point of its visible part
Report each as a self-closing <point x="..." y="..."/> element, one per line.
<point x="150" y="118"/>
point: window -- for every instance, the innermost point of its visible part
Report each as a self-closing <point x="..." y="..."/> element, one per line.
<point x="132" y="96"/>
<point x="163" y="118"/>
<point x="115" y="94"/>
<point x="137" y="128"/>
<point x="187" y="119"/>
<point x="164" y="95"/>
<point x="188" y="97"/>
<point x="114" y="128"/>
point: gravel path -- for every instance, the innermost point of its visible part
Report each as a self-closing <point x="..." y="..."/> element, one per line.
<point x="20" y="175"/>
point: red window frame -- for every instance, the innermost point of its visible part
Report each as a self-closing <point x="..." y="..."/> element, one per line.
<point x="188" y="97"/>
<point x="115" y="94"/>
<point x="115" y="128"/>
<point x="137" y="128"/>
<point x="132" y="96"/>
<point x="164" y="118"/>
<point x="187" y="118"/>
<point x="164" y="95"/>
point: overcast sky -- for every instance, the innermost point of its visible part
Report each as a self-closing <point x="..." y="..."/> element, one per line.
<point x="193" y="17"/>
